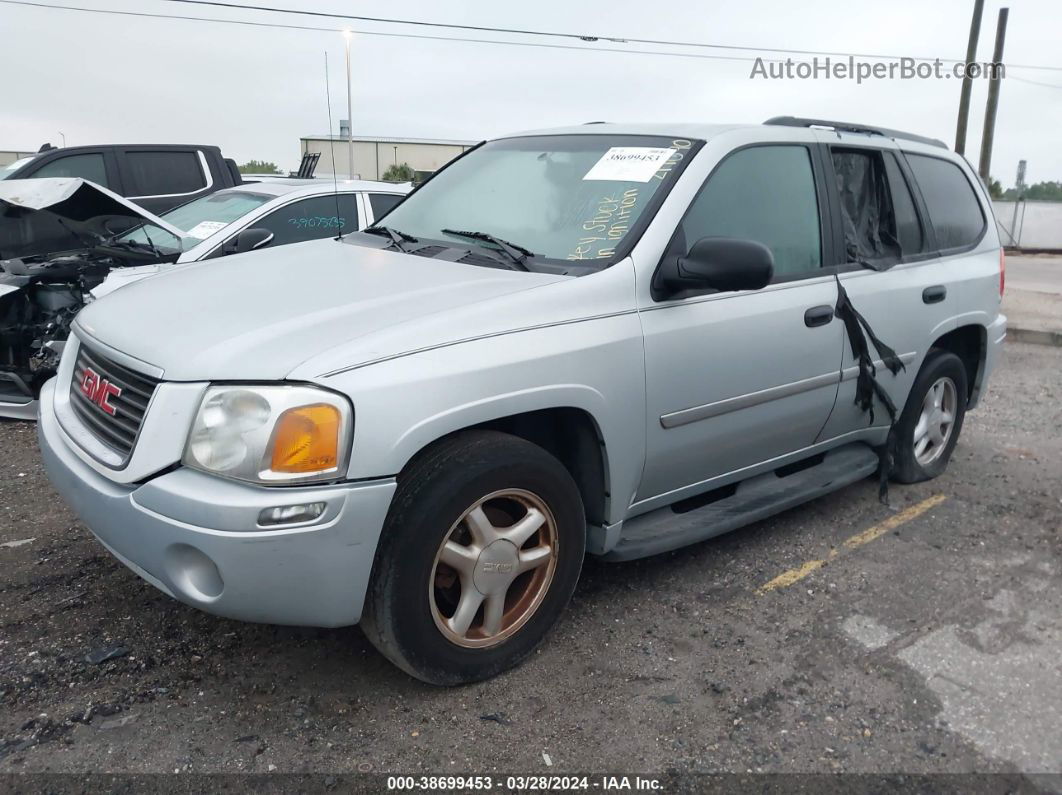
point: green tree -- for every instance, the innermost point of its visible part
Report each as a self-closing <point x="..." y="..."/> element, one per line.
<point x="995" y="188"/>
<point x="1050" y="191"/>
<point x="259" y="167"/>
<point x="402" y="172"/>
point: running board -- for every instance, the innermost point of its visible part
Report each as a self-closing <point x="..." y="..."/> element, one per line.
<point x="757" y="498"/>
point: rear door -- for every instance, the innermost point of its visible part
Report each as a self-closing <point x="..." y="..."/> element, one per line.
<point x="909" y="303"/>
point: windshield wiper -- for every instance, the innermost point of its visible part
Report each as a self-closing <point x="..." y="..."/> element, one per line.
<point x="516" y="253"/>
<point x="135" y="244"/>
<point x="398" y="239"/>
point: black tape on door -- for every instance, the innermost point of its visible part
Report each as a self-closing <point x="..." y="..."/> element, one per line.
<point x="867" y="385"/>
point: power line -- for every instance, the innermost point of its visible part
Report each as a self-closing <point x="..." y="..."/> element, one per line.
<point x="461" y="39"/>
<point x="581" y="36"/>
<point x="1035" y="82"/>
<point x="282" y="26"/>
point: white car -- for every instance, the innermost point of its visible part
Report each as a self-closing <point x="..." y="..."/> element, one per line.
<point x="97" y="242"/>
<point x="259" y="214"/>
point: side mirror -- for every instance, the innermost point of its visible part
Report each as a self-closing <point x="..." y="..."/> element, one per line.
<point x="720" y="263"/>
<point x="248" y="240"/>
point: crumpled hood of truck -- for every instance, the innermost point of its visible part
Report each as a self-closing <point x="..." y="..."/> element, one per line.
<point x="259" y="316"/>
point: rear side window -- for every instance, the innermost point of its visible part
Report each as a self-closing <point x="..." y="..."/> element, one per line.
<point x="164" y="173"/>
<point x="382" y="203"/>
<point x="311" y="219"/>
<point x="877" y="211"/>
<point x="908" y="226"/>
<point x="766" y="194"/>
<point x="88" y="166"/>
<point x="953" y="207"/>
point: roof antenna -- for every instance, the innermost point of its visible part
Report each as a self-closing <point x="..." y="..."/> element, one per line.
<point x="332" y="147"/>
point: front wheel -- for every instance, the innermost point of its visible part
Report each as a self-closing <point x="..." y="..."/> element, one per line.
<point x="480" y="554"/>
<point x="929" y="426"/>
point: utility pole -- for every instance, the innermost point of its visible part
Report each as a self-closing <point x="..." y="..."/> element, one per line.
<point x="993" y="97"/>
<point x="967" y="81"/>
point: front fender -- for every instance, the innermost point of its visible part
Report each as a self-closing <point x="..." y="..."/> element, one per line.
<point x="403" y="405"/>
<point x="496" y="407"/>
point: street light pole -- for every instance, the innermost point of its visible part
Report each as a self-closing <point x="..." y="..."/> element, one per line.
<point x="348" y="35"/>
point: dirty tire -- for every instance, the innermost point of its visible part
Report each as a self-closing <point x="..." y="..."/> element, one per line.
<point x="434" y="492"/>
<point x="938" y="365"/>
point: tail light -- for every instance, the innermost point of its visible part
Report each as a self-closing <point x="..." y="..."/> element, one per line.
<point x="1002" y="271"/>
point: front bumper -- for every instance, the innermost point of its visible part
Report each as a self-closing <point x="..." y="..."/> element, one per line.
<point x="18" y="411"/>
<point x="195" y="536"/>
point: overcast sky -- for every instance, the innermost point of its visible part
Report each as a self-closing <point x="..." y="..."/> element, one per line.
<point x="255" y="91"/>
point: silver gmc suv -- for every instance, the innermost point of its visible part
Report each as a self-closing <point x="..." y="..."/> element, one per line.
<point x="606" y="339"/>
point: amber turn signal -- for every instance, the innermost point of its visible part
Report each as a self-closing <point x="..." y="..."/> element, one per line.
<point x="306" y="439"/>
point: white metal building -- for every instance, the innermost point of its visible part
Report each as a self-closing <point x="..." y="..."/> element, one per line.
<point x="9" y="156"/>
<point x="372" y="156"/>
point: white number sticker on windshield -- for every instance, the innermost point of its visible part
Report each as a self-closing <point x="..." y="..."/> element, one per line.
<point x="629" y="163"/>
<point x="205" y="229"/>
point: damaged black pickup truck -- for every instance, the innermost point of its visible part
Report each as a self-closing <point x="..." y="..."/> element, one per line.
<point x="41" y="293"/>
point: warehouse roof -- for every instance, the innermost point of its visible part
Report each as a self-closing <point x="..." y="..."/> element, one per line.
<point x="390" y="140"/>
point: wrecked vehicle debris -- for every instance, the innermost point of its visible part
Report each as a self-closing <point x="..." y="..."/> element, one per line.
<point x="99" y="242"/>
<point x="41" y="293"/>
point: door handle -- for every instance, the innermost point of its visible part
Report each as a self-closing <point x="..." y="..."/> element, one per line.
<point x="818" y="316"/>
<point x="934" y="294"/>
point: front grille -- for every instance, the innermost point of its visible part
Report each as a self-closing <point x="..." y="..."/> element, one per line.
<point x="90" y="399"/>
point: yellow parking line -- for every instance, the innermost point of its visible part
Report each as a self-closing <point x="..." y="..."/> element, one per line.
<point x="787" y="578"/>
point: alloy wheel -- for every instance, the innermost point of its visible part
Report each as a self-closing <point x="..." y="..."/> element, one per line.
<point x="936" y="422"/>
<point x="493" y="568"/>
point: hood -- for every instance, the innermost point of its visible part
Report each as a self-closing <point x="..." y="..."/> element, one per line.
<point x="42" y="216"/>
<point x="257" y="316"/>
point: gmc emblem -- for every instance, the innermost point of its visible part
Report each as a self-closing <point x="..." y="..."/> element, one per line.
<point x="99" y="390"/>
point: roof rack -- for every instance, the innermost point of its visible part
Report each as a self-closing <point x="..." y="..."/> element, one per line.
<point x="865" y="129"/>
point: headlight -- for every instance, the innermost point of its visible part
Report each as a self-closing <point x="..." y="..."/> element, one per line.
<point x="271" y="434"/>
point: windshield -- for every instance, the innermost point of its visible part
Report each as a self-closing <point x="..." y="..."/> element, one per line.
<point x="198" y="219"/>
<point x="564" y="197"/>
<point x="11" y="168"/>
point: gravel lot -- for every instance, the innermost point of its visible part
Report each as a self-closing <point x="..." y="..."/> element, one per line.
<point x="933" y="647"/>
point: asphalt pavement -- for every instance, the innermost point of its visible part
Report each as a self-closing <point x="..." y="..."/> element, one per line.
<point x="839" y="637"/>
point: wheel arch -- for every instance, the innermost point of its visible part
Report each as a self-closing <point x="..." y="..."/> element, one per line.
<point x="571" y="433"/>
<point x="970" y="343"/>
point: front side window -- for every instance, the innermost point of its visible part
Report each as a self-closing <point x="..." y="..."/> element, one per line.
<point x="198" y="219"/>
<point x="87" y="166"/>
<point x="562" y="197"/>
<point x="165" y="173"/>
<point x="766" y="194"/>
<point x="953" y="207"/>
<point x="311" y="219"/>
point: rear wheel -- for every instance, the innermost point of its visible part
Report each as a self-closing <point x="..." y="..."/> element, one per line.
<point x="480" y="554"/>
<point x="931" y="420"/>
